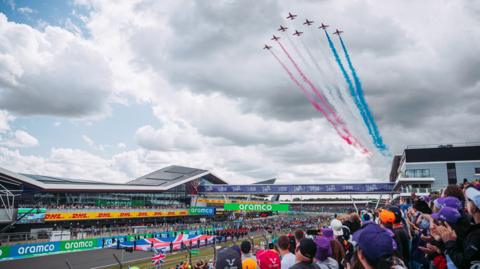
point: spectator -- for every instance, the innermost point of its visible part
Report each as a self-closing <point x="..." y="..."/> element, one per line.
<point x="283" y="245"/>
<point x="466" y="252"/>
<point x="323" y="256"/>
<point x="375" y="248"/>
<point x="228" y="258"/>
<point x="305" y="254"/>
<point x="268" y="259"/>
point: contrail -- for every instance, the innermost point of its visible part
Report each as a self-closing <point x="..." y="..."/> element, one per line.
<point x="360" y="93"/>
<point x="310" y="99"/>
<point x="335" y="115"/>
<point x="351" y="89"/>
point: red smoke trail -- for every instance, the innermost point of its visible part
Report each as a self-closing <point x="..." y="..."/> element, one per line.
<point x="310" y="99"/>
<point x="325" y="103"/>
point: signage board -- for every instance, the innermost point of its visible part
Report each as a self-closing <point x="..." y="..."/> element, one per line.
<point x="256" y="207"/>
<point x="79" y="215"/>
<point x="205" y="211"/>
<point x="31" y="215"/>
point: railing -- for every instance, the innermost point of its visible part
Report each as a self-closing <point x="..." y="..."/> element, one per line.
<point x="460" y="144"/>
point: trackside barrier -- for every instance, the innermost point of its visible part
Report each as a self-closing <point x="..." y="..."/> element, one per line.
<point x="32" y="250"/>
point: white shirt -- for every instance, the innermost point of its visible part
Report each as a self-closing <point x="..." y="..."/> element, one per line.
<point x="288" y="260"/>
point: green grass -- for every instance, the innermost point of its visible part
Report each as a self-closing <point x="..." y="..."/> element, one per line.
<point x="205" y="253"/>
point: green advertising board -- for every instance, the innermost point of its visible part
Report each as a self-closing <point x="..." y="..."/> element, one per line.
<point x="4" y="252"/>
<point x="256" y="207"/>
<point x="73" y="245"/>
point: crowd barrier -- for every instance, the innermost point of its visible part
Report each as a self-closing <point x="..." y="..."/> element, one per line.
<point x="21" y="251"/>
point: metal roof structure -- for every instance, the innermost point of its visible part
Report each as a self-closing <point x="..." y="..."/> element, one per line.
<point x="160" y="180"/>
<point x="174" y="174"/>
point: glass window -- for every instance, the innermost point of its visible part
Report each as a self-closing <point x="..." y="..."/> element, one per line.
<point x="477" y="170"/>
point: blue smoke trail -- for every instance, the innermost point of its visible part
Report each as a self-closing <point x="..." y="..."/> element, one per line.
<point x="351" y="88"/>
<point x="360" y="94"/>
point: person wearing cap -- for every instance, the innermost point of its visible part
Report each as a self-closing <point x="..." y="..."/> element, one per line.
<point x="305" y="255"/>
<point x="268" y="259"/>
<point x="323" y="257"/>
<point x="465" y="251"/>
<point x="391" y="218"/>
<point x="375" y="248"/>
<point x="283" y="246"/>
<point x="227" y="258"/>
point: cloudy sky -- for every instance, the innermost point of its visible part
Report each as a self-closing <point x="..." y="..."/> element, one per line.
<point x="111" y="90"/>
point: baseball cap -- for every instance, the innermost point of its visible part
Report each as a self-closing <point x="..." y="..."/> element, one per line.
<point x="324" y="249"/>
<point x="307" y="248"/>
<point x="449" y="201"/>
<point x="374" y="241"/>
<point x="336" y="227"/>
<point x="473" y="194"/>
<point x="268" y="259"/>
<point x="228" y="258"/>
<point x="386" y="216"/>
<point x="448" y="214"/>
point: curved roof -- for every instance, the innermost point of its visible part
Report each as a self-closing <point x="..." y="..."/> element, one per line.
<point x="160" y="180"/>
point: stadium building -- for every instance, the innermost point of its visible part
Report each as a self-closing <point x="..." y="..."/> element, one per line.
<point x="161" y="196"/>
<point x="426" y="168"/>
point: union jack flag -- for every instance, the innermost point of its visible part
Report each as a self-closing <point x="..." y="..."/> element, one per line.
<point x="158" y="258"/>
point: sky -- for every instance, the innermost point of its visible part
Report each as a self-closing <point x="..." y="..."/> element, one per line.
<point x="112" y="90"/>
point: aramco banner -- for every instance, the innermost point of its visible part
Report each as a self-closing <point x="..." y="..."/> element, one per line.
<point x="205" y="211"/>
<point x="256" y="207"/>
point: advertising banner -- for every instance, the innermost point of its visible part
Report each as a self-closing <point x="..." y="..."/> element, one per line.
<point x="205" y="211"/>
<point x="31" y="215"/>
<point x="27" y="250"/>
<point x="74" y="245"/>
<point x="221" y="201"/>
<point x="256" y="207"/>
<point x="61" y="216"/>
<point x="4" y="252"/>
<point x="310" y="188"/>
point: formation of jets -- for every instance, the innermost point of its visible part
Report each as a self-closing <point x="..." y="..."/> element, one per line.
<point x="298" y="33"/>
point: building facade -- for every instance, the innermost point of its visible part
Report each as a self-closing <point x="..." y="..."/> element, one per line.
<point x="445" y="164"/>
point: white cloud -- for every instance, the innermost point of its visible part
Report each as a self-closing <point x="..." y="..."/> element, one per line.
<point x="18" y="139"/>
<point x="25" y="10"/>
<point x="92" y="143"/>
<point x="5" y="118"/>
<point x="51" y="72"/>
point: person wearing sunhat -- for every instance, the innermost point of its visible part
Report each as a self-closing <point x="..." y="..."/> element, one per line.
<point x="305" y="255"/>
<point x="465" y="253"/>
<point x="375" y="249"/>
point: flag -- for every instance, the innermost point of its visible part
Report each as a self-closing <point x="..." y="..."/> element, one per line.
<point x="158" y="258"/>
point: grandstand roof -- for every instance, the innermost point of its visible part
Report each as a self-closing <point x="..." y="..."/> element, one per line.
<point x="268" y="181"/>
<point x="160" y="180"/>
<point x="174" y="175"/>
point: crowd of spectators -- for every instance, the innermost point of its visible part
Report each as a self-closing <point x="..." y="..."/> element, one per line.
<point x="429" y="232"/>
